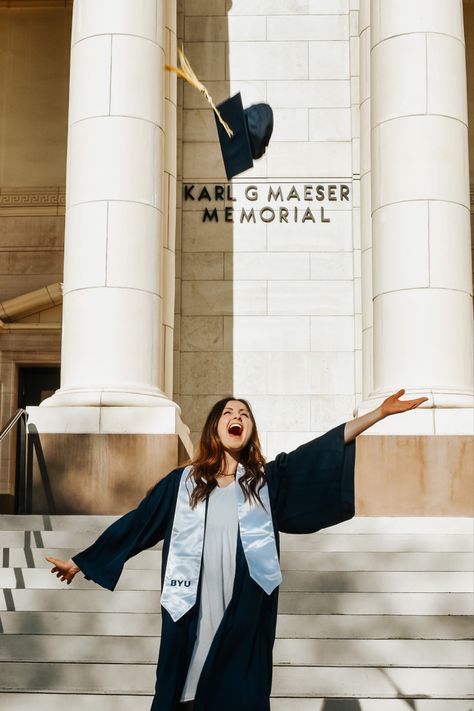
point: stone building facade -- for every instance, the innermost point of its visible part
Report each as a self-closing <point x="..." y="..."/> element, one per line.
<point x="335" y="272"/>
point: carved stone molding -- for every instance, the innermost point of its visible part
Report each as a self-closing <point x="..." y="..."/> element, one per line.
<point x="34" y="3"/>
<point x="33" y="201"/>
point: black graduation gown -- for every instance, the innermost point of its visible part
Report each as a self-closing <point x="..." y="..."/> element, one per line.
<point x="310" y="488"/>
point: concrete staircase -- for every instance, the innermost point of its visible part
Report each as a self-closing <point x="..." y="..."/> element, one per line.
<point x="374" y="616"/>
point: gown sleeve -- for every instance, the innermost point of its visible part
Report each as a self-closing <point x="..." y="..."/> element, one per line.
<point x="137" y="530"/>
<point x="312" y="487"/>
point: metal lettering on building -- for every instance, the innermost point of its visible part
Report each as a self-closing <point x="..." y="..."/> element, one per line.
<point x="263" y="202"/>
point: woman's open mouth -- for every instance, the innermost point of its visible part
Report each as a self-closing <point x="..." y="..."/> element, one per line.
<point x="235" y="429"/>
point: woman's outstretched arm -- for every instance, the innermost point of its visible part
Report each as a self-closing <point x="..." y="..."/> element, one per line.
<point x="391" y="406"/>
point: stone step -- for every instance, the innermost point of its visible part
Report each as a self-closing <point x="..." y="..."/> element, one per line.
<point x="357" y="542"/>
<point x="358" y="524"/>
<point x="294" y="560"/>
<point x="447" y="627"/>
<point x="98" y="600"/>
<point x="127" y="702"/>
<point x="292" y="652"/>
<point x="348" y="682"/>
<point x="293" y="580"/>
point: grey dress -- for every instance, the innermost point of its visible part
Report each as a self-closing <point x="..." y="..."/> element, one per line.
<point x="218" y="572"/>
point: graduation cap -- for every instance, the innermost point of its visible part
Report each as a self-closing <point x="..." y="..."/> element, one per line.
<point x="251" y="132"/>
<point x="243" y="133"/>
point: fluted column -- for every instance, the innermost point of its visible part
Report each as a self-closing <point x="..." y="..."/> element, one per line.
<point x="169" y="211"/>
<point x="365" y="201"/>
<point x="422" y="294"/>
<point x="112" y="342"/>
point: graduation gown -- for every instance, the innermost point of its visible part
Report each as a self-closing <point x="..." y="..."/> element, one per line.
<point x="310" y="488"/>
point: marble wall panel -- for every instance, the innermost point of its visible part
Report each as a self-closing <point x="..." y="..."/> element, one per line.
<point x="250" y="372"/>
<point x="330" y="124"/>
<point x="332" y="333"/>
<point x="290" y="125"/>
<point x="200" y="298"/>
<point x="321" y="298"/>
<point x="287" y="7"/>
<point x="332" y="158"/>
<point x="195" y="409"/>
<point x="309" y="94"/>
<point x="310" y="373"/>
<point x="34" y="56"/>
<point x="268" y="60"/>
<point x="334" y="236"/>
<point x="266" y="265"/>
<point x="202" y="265"/>
<point x="225" y="29"/>
<point x="316" y="27"/>
<point x="327" y="411"/>
<point x="331" y="265"/>
<point x="37" y="262"/>
<point x="38" y="232"/>
<point x="208" y="59"/>
<point x="286" y="441"/>
<point x="211" y="7"/>
<point x="268" y="333"/>
<point x="199" y="125"/>
<point x="329" y="60"/>
<point x="276" y="413"/>
<point x="199" y="236"/>
<point x="206" y="372"/>
<point x="252" y="91"/>
<point x="202" y="333"/>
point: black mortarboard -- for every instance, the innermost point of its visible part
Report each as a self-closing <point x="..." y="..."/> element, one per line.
<point x="243" y="133"/>
<point x="252" y="129"/>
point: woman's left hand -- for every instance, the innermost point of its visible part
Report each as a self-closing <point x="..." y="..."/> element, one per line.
<point x="392" y="405"/>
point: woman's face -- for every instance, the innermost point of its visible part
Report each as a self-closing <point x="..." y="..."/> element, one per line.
<point x="235" y="426"/>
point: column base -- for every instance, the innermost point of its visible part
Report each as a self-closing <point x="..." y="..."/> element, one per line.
<point x="164" y="419"/>
<point x="109" y="397"/>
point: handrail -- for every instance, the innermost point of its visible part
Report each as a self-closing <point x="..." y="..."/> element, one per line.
<point x="28" y="443"/>
<point x="12" y="422"/>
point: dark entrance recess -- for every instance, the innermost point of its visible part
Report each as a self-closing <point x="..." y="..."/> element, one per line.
<point x="35" y="384"/>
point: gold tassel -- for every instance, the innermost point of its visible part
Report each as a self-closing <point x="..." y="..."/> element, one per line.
<point x="186" y="72"/>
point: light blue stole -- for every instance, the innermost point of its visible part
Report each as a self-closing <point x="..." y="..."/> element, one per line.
<point x="187" y="538"/>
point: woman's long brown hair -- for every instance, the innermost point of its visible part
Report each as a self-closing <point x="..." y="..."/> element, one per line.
<point x="210" y="458"/>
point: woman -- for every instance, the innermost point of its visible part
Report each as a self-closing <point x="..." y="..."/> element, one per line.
<point x="219" y="520"/>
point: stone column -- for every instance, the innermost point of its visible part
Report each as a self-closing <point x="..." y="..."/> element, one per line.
<point x="112" y="341"/>
<point x="169" y="212"/>
<point x="365" y="201"/>
<point x="422" y="294"/>
<point x="112" y="430"/>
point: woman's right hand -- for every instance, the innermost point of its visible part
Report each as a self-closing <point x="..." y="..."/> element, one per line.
<point x="65" y="569"/>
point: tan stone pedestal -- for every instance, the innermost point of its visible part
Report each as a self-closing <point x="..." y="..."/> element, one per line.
<point x="414" y="475"/>
<point x="101" y="460"/>
<point x="99" y="473"/>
